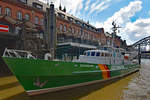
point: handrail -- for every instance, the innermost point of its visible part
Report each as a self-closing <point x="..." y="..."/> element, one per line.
<point x="18" y="54"/>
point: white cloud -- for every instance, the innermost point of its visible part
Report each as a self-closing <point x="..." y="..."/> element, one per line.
<point x="72" y="6"/>
<point x="138" y="29"/>
<point x="98" y="7"/>
<point x="122" y="17"/>
<point x="149" y="12"/>
<point x="131" y="31"/>
<point x="124" y="14"/>
<point x="87" y="5"/>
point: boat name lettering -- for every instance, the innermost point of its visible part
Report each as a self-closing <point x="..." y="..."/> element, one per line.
<point x="117" y="67"/>
<point x="81" y="65"/>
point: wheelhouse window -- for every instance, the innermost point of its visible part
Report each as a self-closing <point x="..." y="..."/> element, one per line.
<point x="19" y="15"/>
<point x="36" y="20"/>
<point x="107" y="54"/>
<point x="27" y="17"/>
<point x="8" y="11"/>
<point x="84" y="53"/>
<point x="88" y="53"/>
<point x="92" y="53"/>
<point x="102" y="54"/>
<point x="98" y="54"/>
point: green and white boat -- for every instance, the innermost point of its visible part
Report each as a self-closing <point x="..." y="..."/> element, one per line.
<point x="39" y="76"/>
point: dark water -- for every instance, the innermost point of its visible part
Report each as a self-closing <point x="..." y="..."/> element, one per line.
<point x="132" y="87"/>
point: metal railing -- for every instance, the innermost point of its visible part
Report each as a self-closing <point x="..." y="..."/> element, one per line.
<point x="18" y="54"/>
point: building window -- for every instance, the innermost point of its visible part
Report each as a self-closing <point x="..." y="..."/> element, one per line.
<point x="0" y="10"/>
<point x="73" y="30"/>
<point x="19" y="15"/>
<point x="27" y="17"/>
<point x="23" y="1"/>
<point x="65" y="29"/>
<point x="36" y="5"/>
<point x="61" y="15"/>
<point x="80" y="32"/>
<point x="61" y="27"/>
<point x="42" y="21"/>
<point x="36" y="20"/>
<point x="8" y="11"/>
<point x="70" y="30"/>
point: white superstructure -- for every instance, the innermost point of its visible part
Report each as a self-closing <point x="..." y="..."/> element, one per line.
<point x="111" y="56"/>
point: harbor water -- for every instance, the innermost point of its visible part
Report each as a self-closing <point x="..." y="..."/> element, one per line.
<point x="132" y="87"/>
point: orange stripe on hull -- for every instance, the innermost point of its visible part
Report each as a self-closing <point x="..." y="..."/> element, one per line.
<point x="105" y="71"/>
<point x="108" y="71"/>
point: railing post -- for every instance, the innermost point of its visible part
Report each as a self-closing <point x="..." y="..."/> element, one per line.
<point x="139" y="54"/>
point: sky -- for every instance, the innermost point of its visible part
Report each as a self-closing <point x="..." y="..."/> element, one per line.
<point x="132" y="15"/>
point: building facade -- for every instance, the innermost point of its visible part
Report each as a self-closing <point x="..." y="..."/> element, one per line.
<point x="23" y="21"/>
<point x="28" y="17"/>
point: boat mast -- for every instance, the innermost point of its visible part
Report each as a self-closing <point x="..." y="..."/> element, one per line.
<point x="114" y="29"/>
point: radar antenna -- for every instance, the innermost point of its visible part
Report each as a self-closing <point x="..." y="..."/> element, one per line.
<point x="114" y="29"/>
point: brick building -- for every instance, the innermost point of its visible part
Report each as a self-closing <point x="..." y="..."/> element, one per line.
<point x="74" y="34"/>
<point x="27" y="16"/>
<point x="17" y="10"/>
<point x="24" y="21"/>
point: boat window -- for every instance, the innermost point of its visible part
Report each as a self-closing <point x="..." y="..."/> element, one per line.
<point x="92" y="53"/>
<point x="105" y="48"/>
<point x="116" y="50"/>
<point x="88" y="53"/>
<point x="111" y="55"/>
<point x="84" y="53"/>
<point x="106" y="54"/>
<point x="98" y="54"/>
<point x="102" y="54"/>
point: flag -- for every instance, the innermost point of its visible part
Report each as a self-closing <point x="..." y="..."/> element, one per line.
<point x="4" y="28"/>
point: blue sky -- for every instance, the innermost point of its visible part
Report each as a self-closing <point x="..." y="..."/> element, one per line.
<point x="132" y="15"/>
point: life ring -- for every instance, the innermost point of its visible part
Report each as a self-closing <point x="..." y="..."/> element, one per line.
<point x="47" y="56"/>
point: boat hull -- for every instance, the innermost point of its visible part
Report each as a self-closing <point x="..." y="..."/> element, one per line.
<point x="40" y="76"/>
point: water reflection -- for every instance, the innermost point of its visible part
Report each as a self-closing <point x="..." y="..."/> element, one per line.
<point x="139" y="88"/>
<point x="70" y="94"/>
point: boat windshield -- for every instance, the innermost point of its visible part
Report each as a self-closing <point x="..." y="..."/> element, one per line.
<point x="88" y="53"/>
<point x="92" y="53"/>
<point x="84" y="53"/>
<point x="98" y="54"/>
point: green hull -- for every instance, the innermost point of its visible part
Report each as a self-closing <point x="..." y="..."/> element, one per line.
<point x="39" y="76"/>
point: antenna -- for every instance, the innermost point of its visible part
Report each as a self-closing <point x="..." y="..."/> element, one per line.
<point x="114" y="29"/>
<point x="48" y="2"/>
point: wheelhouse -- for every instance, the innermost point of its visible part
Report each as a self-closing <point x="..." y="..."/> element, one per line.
<point x="97" y="53"/>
